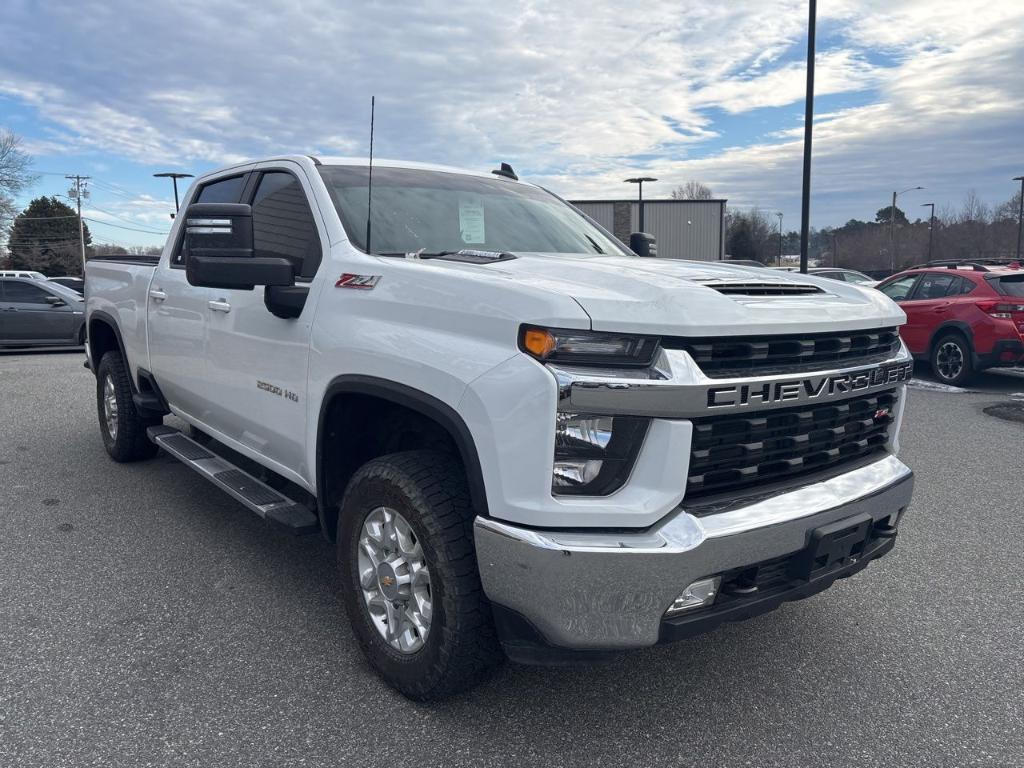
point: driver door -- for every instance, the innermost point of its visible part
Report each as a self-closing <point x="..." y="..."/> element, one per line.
<point x="258" y="361"/>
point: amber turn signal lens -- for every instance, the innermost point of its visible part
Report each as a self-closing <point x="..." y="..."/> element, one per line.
<point x="538" y="343"/>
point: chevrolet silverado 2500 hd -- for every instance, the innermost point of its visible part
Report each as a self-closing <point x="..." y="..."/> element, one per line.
<point x="524" y="439"/>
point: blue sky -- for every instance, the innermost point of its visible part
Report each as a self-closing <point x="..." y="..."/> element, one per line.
<point x="575" y="95"/>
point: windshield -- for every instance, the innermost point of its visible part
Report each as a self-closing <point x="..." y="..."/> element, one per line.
<point x="438" y="211"/>
<point x="63" y="290"/>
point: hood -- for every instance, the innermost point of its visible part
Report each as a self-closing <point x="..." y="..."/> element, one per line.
<point x="688" y="298"/>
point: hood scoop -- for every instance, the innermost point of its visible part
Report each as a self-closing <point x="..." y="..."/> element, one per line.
<point x="753" y="288"/>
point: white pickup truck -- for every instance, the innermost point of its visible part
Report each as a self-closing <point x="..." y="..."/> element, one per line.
<point x="525" y="439"/>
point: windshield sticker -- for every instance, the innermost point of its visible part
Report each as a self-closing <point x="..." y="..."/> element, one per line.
<point x="471" y="220"/>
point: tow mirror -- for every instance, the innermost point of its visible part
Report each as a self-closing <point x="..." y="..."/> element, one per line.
<point x="643" y="244"/>
<point x="219" y="254"/>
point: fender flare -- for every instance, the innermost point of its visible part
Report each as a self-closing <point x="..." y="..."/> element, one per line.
<point x="100" y="316"/>
<point x="415" y="400"/>
<point x="954" y="325"/>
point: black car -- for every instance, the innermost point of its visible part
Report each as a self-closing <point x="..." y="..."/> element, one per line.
<point x="35" y="313"/>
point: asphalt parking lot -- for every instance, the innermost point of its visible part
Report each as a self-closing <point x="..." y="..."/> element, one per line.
<point x="148" y="619"/>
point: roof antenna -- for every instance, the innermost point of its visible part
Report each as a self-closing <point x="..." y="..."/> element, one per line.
<point x="369" y="184"/>
<point x="506" y="171"/>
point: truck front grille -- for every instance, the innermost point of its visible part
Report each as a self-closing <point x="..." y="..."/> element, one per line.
<point x="740" y="451"/>
<point x="768" y="355"/>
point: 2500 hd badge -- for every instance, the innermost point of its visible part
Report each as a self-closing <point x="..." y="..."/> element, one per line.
<point x="812" y="388"/>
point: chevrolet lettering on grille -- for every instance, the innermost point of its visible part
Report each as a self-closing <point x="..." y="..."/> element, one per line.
<point x="810" y="388"/>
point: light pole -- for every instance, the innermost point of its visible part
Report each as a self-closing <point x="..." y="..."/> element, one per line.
<point x="639" y="181"/>
<point x="174" y="178"/>
<point x="931" y="227"/>
<point x="1020" y="212"/>
<point x="892" y="226"/>
<point x="779" y="214"/>
<point x="805" y="202"/>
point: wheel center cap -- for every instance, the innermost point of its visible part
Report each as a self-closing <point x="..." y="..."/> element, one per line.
<point x="387" y="581"/>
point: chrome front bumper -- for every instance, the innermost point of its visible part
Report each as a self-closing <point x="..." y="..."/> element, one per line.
<point x="609" y="590"/>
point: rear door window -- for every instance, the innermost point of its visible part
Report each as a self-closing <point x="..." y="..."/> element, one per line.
<point x="933" y="286"/>
<point x="221" y="191"/>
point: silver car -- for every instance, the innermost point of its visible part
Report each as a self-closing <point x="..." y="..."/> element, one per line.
<point x="35" y="313"/>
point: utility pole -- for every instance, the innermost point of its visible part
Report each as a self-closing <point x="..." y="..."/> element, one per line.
<point x="77" y="192"/>
<point x="931" y="227"/>
<point x="779" y="214"/>
<point x="1020" y="213"/>
<point x="805" y="204"/>
<point x="835" y="246"/>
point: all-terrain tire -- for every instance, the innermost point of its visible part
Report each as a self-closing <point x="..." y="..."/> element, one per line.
<point x="124" y="436"/>
<point x="952" y="359"/>
<point x="428" y="489"/>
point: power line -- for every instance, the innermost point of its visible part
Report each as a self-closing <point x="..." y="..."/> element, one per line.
<point x="118" y="226"/>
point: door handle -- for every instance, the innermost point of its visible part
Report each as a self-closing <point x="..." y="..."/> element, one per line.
<point x="219" y="306"/>
<point x="156" y="294"/>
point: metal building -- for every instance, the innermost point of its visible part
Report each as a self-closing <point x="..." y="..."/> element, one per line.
<point x="684" y="229"/>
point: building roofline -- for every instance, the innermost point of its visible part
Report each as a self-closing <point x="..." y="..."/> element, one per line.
<point x="648" y="200"/>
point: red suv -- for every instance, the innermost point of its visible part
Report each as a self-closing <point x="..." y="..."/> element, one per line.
<point x="961" y="317"/>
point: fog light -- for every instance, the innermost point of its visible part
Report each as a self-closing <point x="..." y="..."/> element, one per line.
<point x="697" y="595"/>
<point x="572" y="474"/>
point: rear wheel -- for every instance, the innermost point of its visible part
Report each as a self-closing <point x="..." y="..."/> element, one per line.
<point x="409" y="575"/>
<point x="122" y="428"/>
<point x="952" y="359"/>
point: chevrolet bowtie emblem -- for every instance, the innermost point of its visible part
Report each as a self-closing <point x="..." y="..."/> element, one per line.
<point x="387" y="581"/>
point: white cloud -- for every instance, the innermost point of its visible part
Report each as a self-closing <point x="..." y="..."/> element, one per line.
<point x="572" y="93"/>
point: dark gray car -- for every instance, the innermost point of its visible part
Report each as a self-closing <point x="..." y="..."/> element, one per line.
<point x="40" y="313"/>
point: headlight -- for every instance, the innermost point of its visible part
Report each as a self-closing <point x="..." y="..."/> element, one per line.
<point x="595" y="454"/>
<point x="587" y="347"/>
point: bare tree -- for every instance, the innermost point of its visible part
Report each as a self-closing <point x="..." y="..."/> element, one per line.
<point x="693" y="190"/>
<point x="14" y="176"/>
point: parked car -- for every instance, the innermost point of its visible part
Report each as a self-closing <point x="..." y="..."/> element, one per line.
<point x="745" y="263"/>
<point x="74" y="283"/>
<point x="36" y="313"/>
<point x="32" y="275"/>
<point x="838" y="273"/>
<point x="961" y="318"/>
<point x="521" y="436"/>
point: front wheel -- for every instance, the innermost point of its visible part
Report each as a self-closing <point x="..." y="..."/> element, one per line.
<point x="122" y="428"/>
<point x="952" y="360"/>
<point x="409" y="575"/>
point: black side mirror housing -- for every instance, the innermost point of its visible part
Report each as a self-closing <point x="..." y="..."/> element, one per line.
<point x="242" y="274"/>
<point x="643" y="244"/>
<point x="219" y="253"/>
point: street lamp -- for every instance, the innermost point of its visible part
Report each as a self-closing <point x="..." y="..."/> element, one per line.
<point x="892" y="226"/>
<point x="779" y="214"/>
<point x="174" y="178"/>
<point x="931" y="227"/>
<point x="639" y="181"/>
<point x="1020" y="212"/>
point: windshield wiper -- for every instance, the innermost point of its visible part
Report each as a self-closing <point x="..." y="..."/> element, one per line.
<point x="420" y="254"/>
<point x="593" y="242"/>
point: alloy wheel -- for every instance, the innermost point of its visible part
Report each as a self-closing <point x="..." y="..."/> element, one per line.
<point x="395" y="580"/>
<point x="110" y="406"/>
<point x="950" y="360"/>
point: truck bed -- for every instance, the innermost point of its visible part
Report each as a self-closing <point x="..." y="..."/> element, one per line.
<point x="118" y="287"/>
